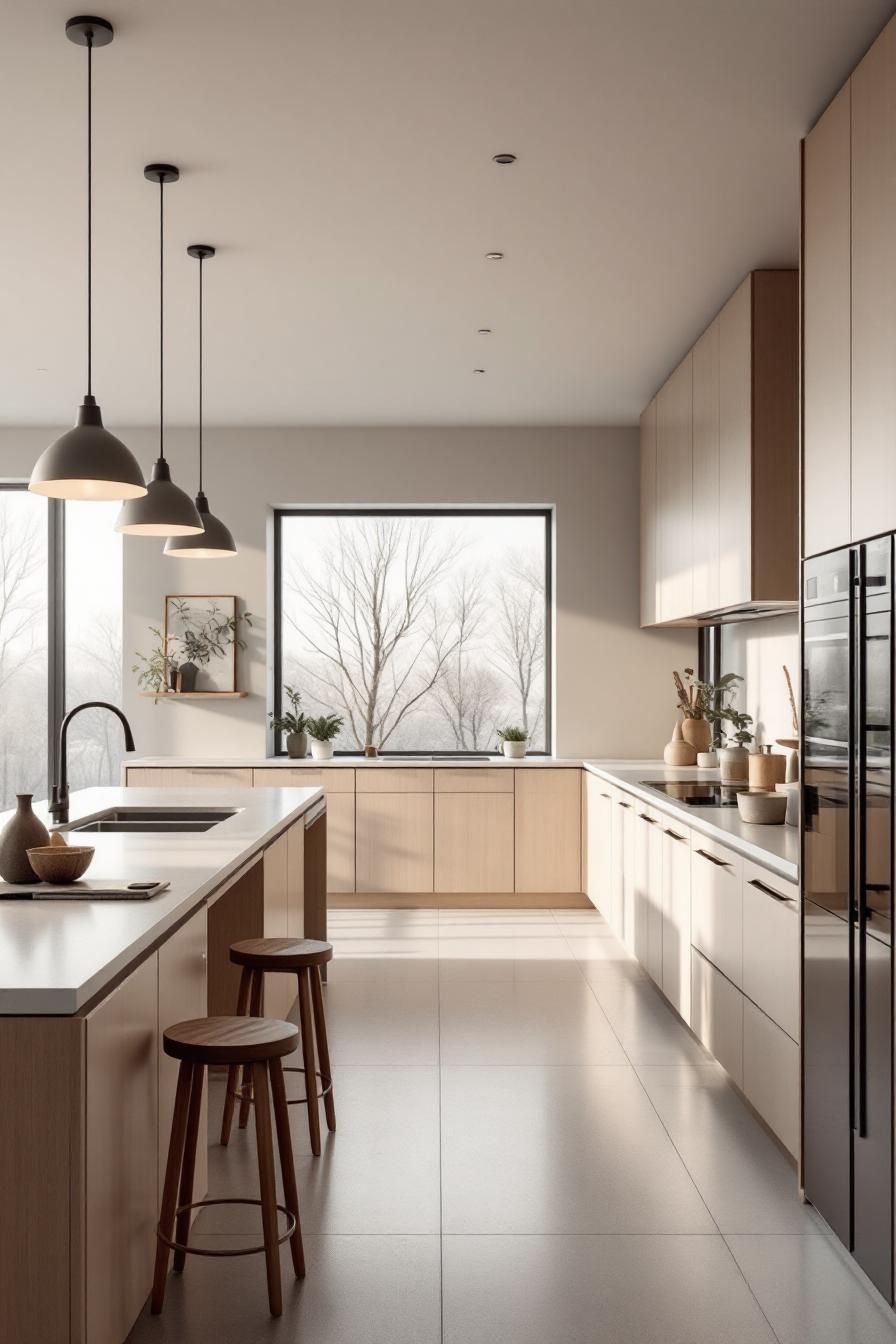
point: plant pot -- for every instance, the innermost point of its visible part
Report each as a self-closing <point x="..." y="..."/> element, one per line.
<point x="707" y="760"/>
<point x="321" y="751"/>
<point x="514" y="751"/>
<point x="699" y="733"/>
<point x="296" y="745"/>
<point x="734" y="764"/>
<point x="22" y="832"/>
<point x="679" y="752"/>
<point x="187" y="673"/>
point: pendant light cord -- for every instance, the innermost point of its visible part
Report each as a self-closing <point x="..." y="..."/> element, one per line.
<point x="201" y="259"/>
<point x="89" y="213"/>
<point x="161" y="316"/>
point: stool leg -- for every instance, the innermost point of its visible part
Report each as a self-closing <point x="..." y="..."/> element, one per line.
<point x="287" y="1165"/>
<point x="323" y="1048"/>
<point x="172" y="1173"/>
<point x="189" y="1163"/>
<point x="255" y="996"/>
<point x="306" y="1026"/>
<point x="268" y="1185"/>
<point x="233" y="1073"/>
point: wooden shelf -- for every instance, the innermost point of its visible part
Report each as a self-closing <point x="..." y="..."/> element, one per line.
<point x="194" y="695"/>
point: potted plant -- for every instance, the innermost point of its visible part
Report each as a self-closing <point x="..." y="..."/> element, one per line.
<point x="293" y="723"/>
<point x="322" y="731"/>
<point x="156" y="668"/>
<point x="514" y="742"/>
<point x="734" y="760"/>
<point x="174" y="662"/>
<point x="699" y="702"/>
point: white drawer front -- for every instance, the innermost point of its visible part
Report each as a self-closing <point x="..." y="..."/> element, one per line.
<point x="716" y="906"/>
<point x="772" y="947"/>
<point x="717" y="1016"/>
<point x="772" y="1075"/>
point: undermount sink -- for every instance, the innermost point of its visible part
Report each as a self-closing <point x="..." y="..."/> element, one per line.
<point x="146" y="820"/>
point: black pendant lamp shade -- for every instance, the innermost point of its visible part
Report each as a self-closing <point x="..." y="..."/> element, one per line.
<point x="217" y="542"/>
<point x="87" y="462"/>
<point x="165" y="510"/>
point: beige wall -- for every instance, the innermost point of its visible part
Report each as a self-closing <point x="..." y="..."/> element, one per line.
<point x="612" y="681"/>
<point x="757" y="651"/>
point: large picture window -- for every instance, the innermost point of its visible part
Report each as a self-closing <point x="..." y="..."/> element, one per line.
<point x="425" y="630"/>
<point x="60" y="639"/>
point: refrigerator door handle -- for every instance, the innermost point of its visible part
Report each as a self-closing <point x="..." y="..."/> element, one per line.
<point x="861" y="873"/>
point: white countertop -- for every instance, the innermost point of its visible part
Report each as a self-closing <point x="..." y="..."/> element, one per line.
<point x="57" y="955"/>
<point x="339" y="762"/>
<point x="776" y="848"/>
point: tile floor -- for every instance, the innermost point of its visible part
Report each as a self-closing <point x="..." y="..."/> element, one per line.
<point x="531" y="1147"/>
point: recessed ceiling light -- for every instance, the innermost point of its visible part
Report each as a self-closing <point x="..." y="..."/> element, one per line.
<point x="479" y="370"/>
<point x="484" y="331"/>
<point x="504" y="158"/>
<point x="494" y="256"/>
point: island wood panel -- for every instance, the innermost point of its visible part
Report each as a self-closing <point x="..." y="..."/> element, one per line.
<point x="648" y="515"/>
<point x="121" y="1134"/>
<point x="189" y="777"/>
<point x="474" y="842"/>
<point x="827" y="375"/>
<point x="41" y="1298"/>
<point x="736" y="447"/>
<point x="236" y="914"/>
<point x="183" y="994"/>
<point x="706" y="470"/>
<point x="279" y="990"/>
<point x="674" y="495"/>
<point x="394" y="849"/>
<point x="873" y="175"/>
<point x="338" y="784"/>
<point x="548" y="830"/>
<point x="297" y="917"/>
<point x="474" y="779"/>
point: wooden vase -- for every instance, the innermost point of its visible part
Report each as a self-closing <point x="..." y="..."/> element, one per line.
<point x="698" y="732"/>
<point x="678" y="751"/>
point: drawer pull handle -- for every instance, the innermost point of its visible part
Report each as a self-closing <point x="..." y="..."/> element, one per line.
<point x="651" y="821"/>
<point x="621" y="804"/>
<point x="720" y="863"/>
<point x="606" y="795"/>
<point x="769" y="891"/>
<point x="673" y="835"/>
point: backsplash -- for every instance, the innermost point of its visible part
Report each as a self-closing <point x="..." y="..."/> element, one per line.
<point x="756" y="651"/>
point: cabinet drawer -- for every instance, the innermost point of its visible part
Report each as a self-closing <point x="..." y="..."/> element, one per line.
<point x="771" y="974"/>
<point x="332" y="780"/>
<point x="772" y="1075"/>
<point x="717" y="1016"/>
<point x="214" y="777"/>
<point x="474" y="779"/>
<point x="386" y="779"/>
<point x="717" y="905"/>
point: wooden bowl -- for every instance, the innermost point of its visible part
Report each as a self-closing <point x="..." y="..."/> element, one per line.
<point x="762" y="809"/>
<point x="59" y="864"/>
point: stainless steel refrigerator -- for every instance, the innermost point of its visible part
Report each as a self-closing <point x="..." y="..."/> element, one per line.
<point x="847" y="908"/>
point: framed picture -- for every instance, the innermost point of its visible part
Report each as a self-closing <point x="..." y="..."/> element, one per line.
<point x="200" y="633"/>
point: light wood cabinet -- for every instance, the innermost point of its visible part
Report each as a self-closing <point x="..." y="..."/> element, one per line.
<point x="736" y="501"/>
<point x="189" y="777"/>
<point x="183" y="995"/>
<point x="473" y="842"/>
<point x="706" y="506"/>
<point x="676" y="903"/>
<point x="648" y="515"/>
<point x="826" y="330"/>
<point x="674" y="492"/>
<point x="648" y="910"/>
<point x="394" y="842"/>
<point x="717" y="906"/>
<point x="121" y="1135"/>
<point x="771" y="1075"/>
<point x="338" y="784"/>
<point x="771" y="947"/>
<point x="394" y="779"/>
<point x="474" y="779"/>
<point x="548" y="825"/>
<point x="717" y="1015"/>
<point x="873" y="255"/>
<point x="279" y="990"/>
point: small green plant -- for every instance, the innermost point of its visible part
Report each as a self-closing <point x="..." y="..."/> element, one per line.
<point x="325" y="727"/>
<point x="154" y="667"/>
<point x="512" y="734"/>
<point x="702" y="699"/>
<point x="292" y="720"/>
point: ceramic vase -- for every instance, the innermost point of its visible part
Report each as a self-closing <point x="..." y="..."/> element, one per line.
<point x="514" y="751"/>
<point x="22" y="832"/>
<point x="188" y="673"/>
<point x="296" y="745"/>
<point x="699" y="733"/>
<point x="321" y="751"/>
<point x="734" y="765"/>
<point x="679" y="752"/>
<point x="707" y="760"/>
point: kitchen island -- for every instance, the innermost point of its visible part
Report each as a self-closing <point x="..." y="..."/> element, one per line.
<point x="86" y="990"/>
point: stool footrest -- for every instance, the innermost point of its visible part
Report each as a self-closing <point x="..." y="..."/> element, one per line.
<point x="242" y="1094"/>
<point x="187" y="1249"/>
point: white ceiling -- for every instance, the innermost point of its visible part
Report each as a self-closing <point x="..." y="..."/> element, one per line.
<point x="338" y="154"/>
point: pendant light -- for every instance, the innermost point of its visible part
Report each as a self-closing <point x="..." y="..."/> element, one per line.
<point x="217" y="541"/>
<point x="165" y="510"/>
<point x="88" y="462"/>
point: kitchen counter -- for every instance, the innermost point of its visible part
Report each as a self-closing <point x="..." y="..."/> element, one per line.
<point x="55" y="956"/>
<point x="776" y="848"/>
<point x="358" y="762"/>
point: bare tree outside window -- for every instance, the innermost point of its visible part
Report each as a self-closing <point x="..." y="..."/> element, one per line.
<point x="425" y="632"/>
<point x="23" y="645"/>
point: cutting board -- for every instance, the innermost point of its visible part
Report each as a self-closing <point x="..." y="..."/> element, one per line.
<point x="100" y="889"/>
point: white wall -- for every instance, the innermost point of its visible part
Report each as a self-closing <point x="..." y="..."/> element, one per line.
<point x="757" y="650"/>
<point x="613" y="688"/>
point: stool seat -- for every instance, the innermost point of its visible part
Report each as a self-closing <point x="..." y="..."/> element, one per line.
<point x="281" y="954"/>
<point x="230" y="1040"/>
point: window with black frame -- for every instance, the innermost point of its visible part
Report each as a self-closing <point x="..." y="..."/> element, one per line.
<point x="424" y="630"/>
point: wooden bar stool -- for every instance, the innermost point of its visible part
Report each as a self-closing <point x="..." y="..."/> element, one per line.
<point x="257" y="1044"/>
<point x="302" y="957"/>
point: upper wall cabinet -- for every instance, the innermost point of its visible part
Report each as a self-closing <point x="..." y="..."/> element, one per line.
<point x="722" y="519"/>
<point x="648" y="514"/>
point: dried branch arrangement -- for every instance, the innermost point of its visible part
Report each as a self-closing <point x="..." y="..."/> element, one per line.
<point x="795" y="718"/>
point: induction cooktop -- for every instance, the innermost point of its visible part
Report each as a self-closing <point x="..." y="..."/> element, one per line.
<point x="697" y="793"/>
